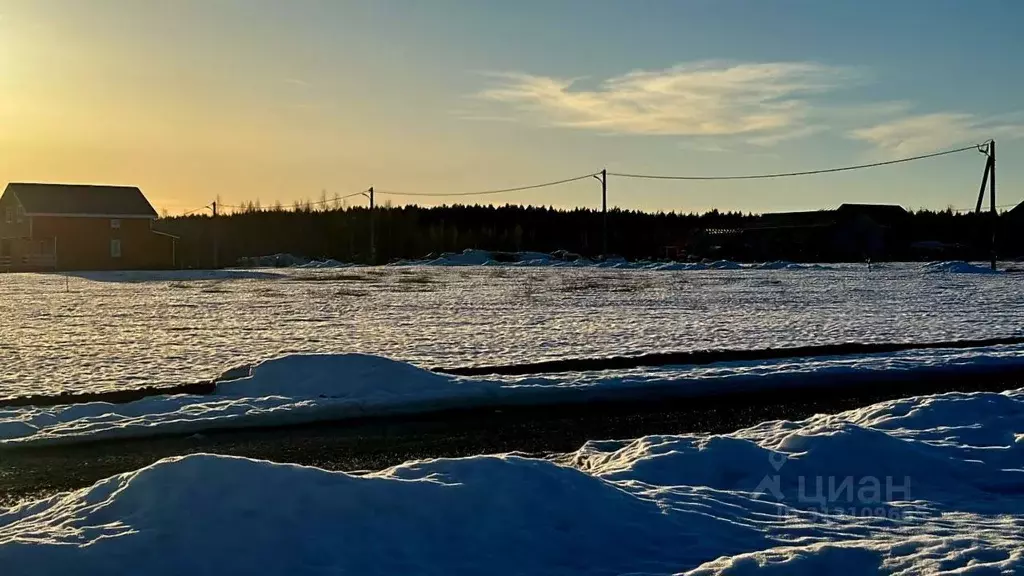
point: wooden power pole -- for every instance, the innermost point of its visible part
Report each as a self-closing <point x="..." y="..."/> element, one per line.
<point x="215" y="234"/>
<point x="373" y="229"/>
<point x="604" y="212"/>
<point x="988" y="178"/>
<point x="994" y="217"/>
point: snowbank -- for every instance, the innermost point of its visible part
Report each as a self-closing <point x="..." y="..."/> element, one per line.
<point x="358" y="377"/>
<point x="700" y="505"/>
<point x="289" y="261"/>
<point x="288" y="390"/>
<point x="329" y="263"/>
<point x="958" y="268"/>
<point x="309" y="388"/>
<point x="561" y="258"/>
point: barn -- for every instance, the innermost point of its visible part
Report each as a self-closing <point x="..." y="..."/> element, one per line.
<point x="80" y="227"/>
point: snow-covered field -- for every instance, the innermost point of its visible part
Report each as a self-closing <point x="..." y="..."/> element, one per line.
<point x="931" y="485"/>
<point x="105" y="331"/>
<point x="927" y="485"/>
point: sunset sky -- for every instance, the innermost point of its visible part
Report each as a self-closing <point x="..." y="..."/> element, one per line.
<point x="275" y="100"/>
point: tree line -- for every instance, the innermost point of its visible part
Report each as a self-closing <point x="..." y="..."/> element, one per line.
<point x="409" y="232"/>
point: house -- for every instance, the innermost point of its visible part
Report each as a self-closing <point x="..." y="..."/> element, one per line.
<point x="852" y="232"/>
<point x="1011" y="232"/>
<point x="76" y="227"/>
<point x="876" y="231"/>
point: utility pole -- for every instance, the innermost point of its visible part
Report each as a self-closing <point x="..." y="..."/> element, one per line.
<point x="604" y="212"/>
<point x="603" y="177"/>
<point x="988" y="178"/>
<point x="992" y="197"/>
<point x="984" y="183"/>
<point x="373" y="227"/>
<point x="215" y="235"/>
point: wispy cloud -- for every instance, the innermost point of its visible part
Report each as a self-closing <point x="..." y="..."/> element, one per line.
<point x="780" y="136"/>
<point x="923" y="133"/>
<point x="718" y="105"/>
<point x="766" y="100"/>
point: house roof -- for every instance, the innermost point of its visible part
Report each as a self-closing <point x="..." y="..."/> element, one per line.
<point x="81" y="200"/>
<point x="809" y="219"/>
<point x="884" y="214"/>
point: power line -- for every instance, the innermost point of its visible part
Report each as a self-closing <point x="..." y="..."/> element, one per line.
<point x="317" y="203"/>
<point x="191" y="212"/>
<point x="326" y="201"/>
<point x="485" y="192"/>
<point x="958" y="210"/>
<point x="360" y="193"/>
<point x="806" y="173"/>
<point x="979" y="147"/>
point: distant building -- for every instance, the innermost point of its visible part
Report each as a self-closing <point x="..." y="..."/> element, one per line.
<point x="1011" y="232"/>
<point x="75" y="227"/>
<point x="852" y="232"/>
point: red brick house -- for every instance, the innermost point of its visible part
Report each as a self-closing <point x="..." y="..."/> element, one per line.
<point x="76" y="227"/>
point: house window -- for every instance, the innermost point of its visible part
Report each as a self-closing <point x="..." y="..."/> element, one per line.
<point x="115" y="223"/>
<point x="115" y="248"/>
<point x="21" y="214"/>
<point x="9" y="215"/>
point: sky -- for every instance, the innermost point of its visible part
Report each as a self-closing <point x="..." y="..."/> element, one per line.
<point x="245" y="100"/>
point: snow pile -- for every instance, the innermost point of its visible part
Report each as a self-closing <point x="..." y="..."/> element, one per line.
<point x="951" y="447"/>
<point x="729" y="265"/>
<point x="358" y="377"/>
<point x="948" y="501"/>
<point x="469" y="257"/>
<point x="288" y="261"/>
<point x="958" y="268"/>
<point x="272" y="261"/>
<point x="673" y="266"/>
<point x="329" y="263"/>
<point x="783" y="265"/>
<point x="561" y="258"/>
<point x="473" y="257"/>
<point x="305" y="388"/>
<point x="292" y="389"/>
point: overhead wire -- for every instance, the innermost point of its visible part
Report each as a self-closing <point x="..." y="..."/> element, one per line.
<point x="487" y="192"/>
<point x="959" y="210"/>
<point x="317" y="203"/>
<point x="191" y="212"/>
<point x="979" y="147"/>
<point x="803" y="173"/>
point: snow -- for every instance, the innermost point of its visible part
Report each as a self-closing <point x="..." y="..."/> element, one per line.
<point x="473" y="257"/>
<point x="146" y="276"/>
<point x="289" y="261"/>
<point x="357" y="376"/>
<point x="129" y="330"/>
<point x="303" y="388"/>
<point x="288" y="390"/>
<point x="949" y="468"/>
<point x="468" y="258"/>
<point x="958" y="268"/>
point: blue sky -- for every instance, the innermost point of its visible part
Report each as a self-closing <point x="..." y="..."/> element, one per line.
<point x="246" y="99"/>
